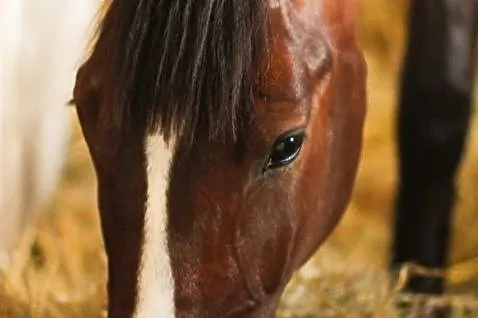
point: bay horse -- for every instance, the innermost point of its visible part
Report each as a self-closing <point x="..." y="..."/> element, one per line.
<point x="435" y="107"/>
<point x="39" y="56"/>
<point x="225" y="137"/>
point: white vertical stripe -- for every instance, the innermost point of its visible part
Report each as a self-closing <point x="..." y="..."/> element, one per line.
<point x="155" y="281"/>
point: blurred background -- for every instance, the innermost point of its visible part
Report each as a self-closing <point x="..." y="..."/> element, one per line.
<point x="63" y="273"/>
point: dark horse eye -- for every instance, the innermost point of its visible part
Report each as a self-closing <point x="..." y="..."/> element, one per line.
<point x="285" y="149"/>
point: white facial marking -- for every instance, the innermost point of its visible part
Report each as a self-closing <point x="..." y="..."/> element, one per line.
<point x="155" y="281"/>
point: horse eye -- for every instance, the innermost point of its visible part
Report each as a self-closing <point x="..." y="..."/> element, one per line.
<point x="285" y="149"/>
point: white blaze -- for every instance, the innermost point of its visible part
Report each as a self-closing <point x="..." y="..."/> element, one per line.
<point x="155" y="281"/>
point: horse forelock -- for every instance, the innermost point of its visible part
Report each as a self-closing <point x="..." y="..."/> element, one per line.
<point x="181" y="66"/>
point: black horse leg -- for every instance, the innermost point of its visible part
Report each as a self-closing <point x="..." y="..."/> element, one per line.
<point x="434" y="112"/>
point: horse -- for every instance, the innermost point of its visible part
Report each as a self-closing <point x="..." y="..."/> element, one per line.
<point x="225" y="137"/>
<point x="39" y="48"/>
<point x="435" y="107"/>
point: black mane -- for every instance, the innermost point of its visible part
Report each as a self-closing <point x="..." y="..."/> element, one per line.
<point x="176" y="65"/>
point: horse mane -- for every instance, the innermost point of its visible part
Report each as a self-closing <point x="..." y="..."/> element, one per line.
<point x="177" y="65"/>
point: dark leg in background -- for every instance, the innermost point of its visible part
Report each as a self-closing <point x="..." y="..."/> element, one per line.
<point x="434" y="112"/>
